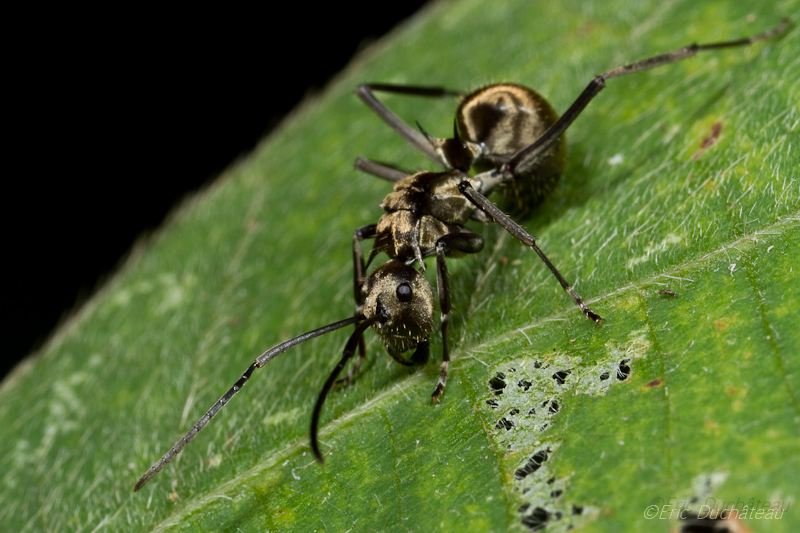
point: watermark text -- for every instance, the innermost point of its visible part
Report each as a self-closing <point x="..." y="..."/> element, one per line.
<point x="712" y="508"/>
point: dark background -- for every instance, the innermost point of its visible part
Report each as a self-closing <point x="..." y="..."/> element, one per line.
<point x="115" y="117"/>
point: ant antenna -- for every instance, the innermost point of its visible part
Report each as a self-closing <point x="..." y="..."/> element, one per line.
<point x="260" y="361"/>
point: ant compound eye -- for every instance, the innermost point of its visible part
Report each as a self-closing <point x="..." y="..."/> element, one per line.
<point x="404" y="293"/>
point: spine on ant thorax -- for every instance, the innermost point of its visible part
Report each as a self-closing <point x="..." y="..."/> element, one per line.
<point x="422" y="208"/>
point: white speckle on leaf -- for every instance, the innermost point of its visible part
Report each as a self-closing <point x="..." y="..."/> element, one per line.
<point x="277" y="418"/>
<point x="653" y="249"/>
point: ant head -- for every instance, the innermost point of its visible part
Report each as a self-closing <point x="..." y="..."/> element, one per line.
<point x="405" y="298"/>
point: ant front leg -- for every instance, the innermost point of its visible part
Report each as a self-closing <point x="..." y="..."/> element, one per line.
<point x="531" y="154"/>
<point x="525" y="238"/>
<point x="412" y="136"/>
<point x="359" y="271"/>
<point x="466" y="242"/>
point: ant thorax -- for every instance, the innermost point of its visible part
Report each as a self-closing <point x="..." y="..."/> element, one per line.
<point x="421" y="210"/>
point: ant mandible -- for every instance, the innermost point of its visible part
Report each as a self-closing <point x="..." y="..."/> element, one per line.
<point x="512" y="137"/>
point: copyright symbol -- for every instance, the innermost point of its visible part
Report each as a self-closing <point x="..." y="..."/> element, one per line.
<point x="651" y="512"/>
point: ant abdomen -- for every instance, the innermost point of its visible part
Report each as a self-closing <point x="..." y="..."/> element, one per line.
<point x="504" y="119"/>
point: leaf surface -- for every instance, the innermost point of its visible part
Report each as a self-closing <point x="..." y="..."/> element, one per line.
<point x="547" y="419"/>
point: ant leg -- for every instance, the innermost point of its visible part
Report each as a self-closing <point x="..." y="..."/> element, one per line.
<point x="379" y="170"/>
<point x="411" y="90"/>
<point x="422" y="353"/>
<point x="466" y="242"/>
<point x="359" y="270"/>
<point x="531" y="154"/>
<point x="412" y="136"/>
<point x="525" y="238"/>
<point x="397" y="356"/>
<point x="345" y="381"/>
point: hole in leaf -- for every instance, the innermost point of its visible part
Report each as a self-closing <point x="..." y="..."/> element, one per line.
<point x="504" y="423"/>
<point x="577" y="509"/>
<point x="553" y="407"/>
<point x="537" y="520"/>
<point x="492" y="403"/>
<point x="533" y="464"/>
<point x="705" y="524"/>
<point x="524" y="384"/>
<point x="561" y="375"/>
<point x="624" y="370"/>
<point x="498" y="383"/>
<point x="556" y="493"/>
<point x="604" y="376"/>
<point x="513" y="412"/>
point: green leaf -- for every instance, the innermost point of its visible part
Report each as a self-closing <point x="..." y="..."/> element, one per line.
<point x="671" y="398"/>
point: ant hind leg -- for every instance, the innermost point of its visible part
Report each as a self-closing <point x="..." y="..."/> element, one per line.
<point x="525" y="238"/>
<point x="412" y="136"/>
<point x="531" y="154"/>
